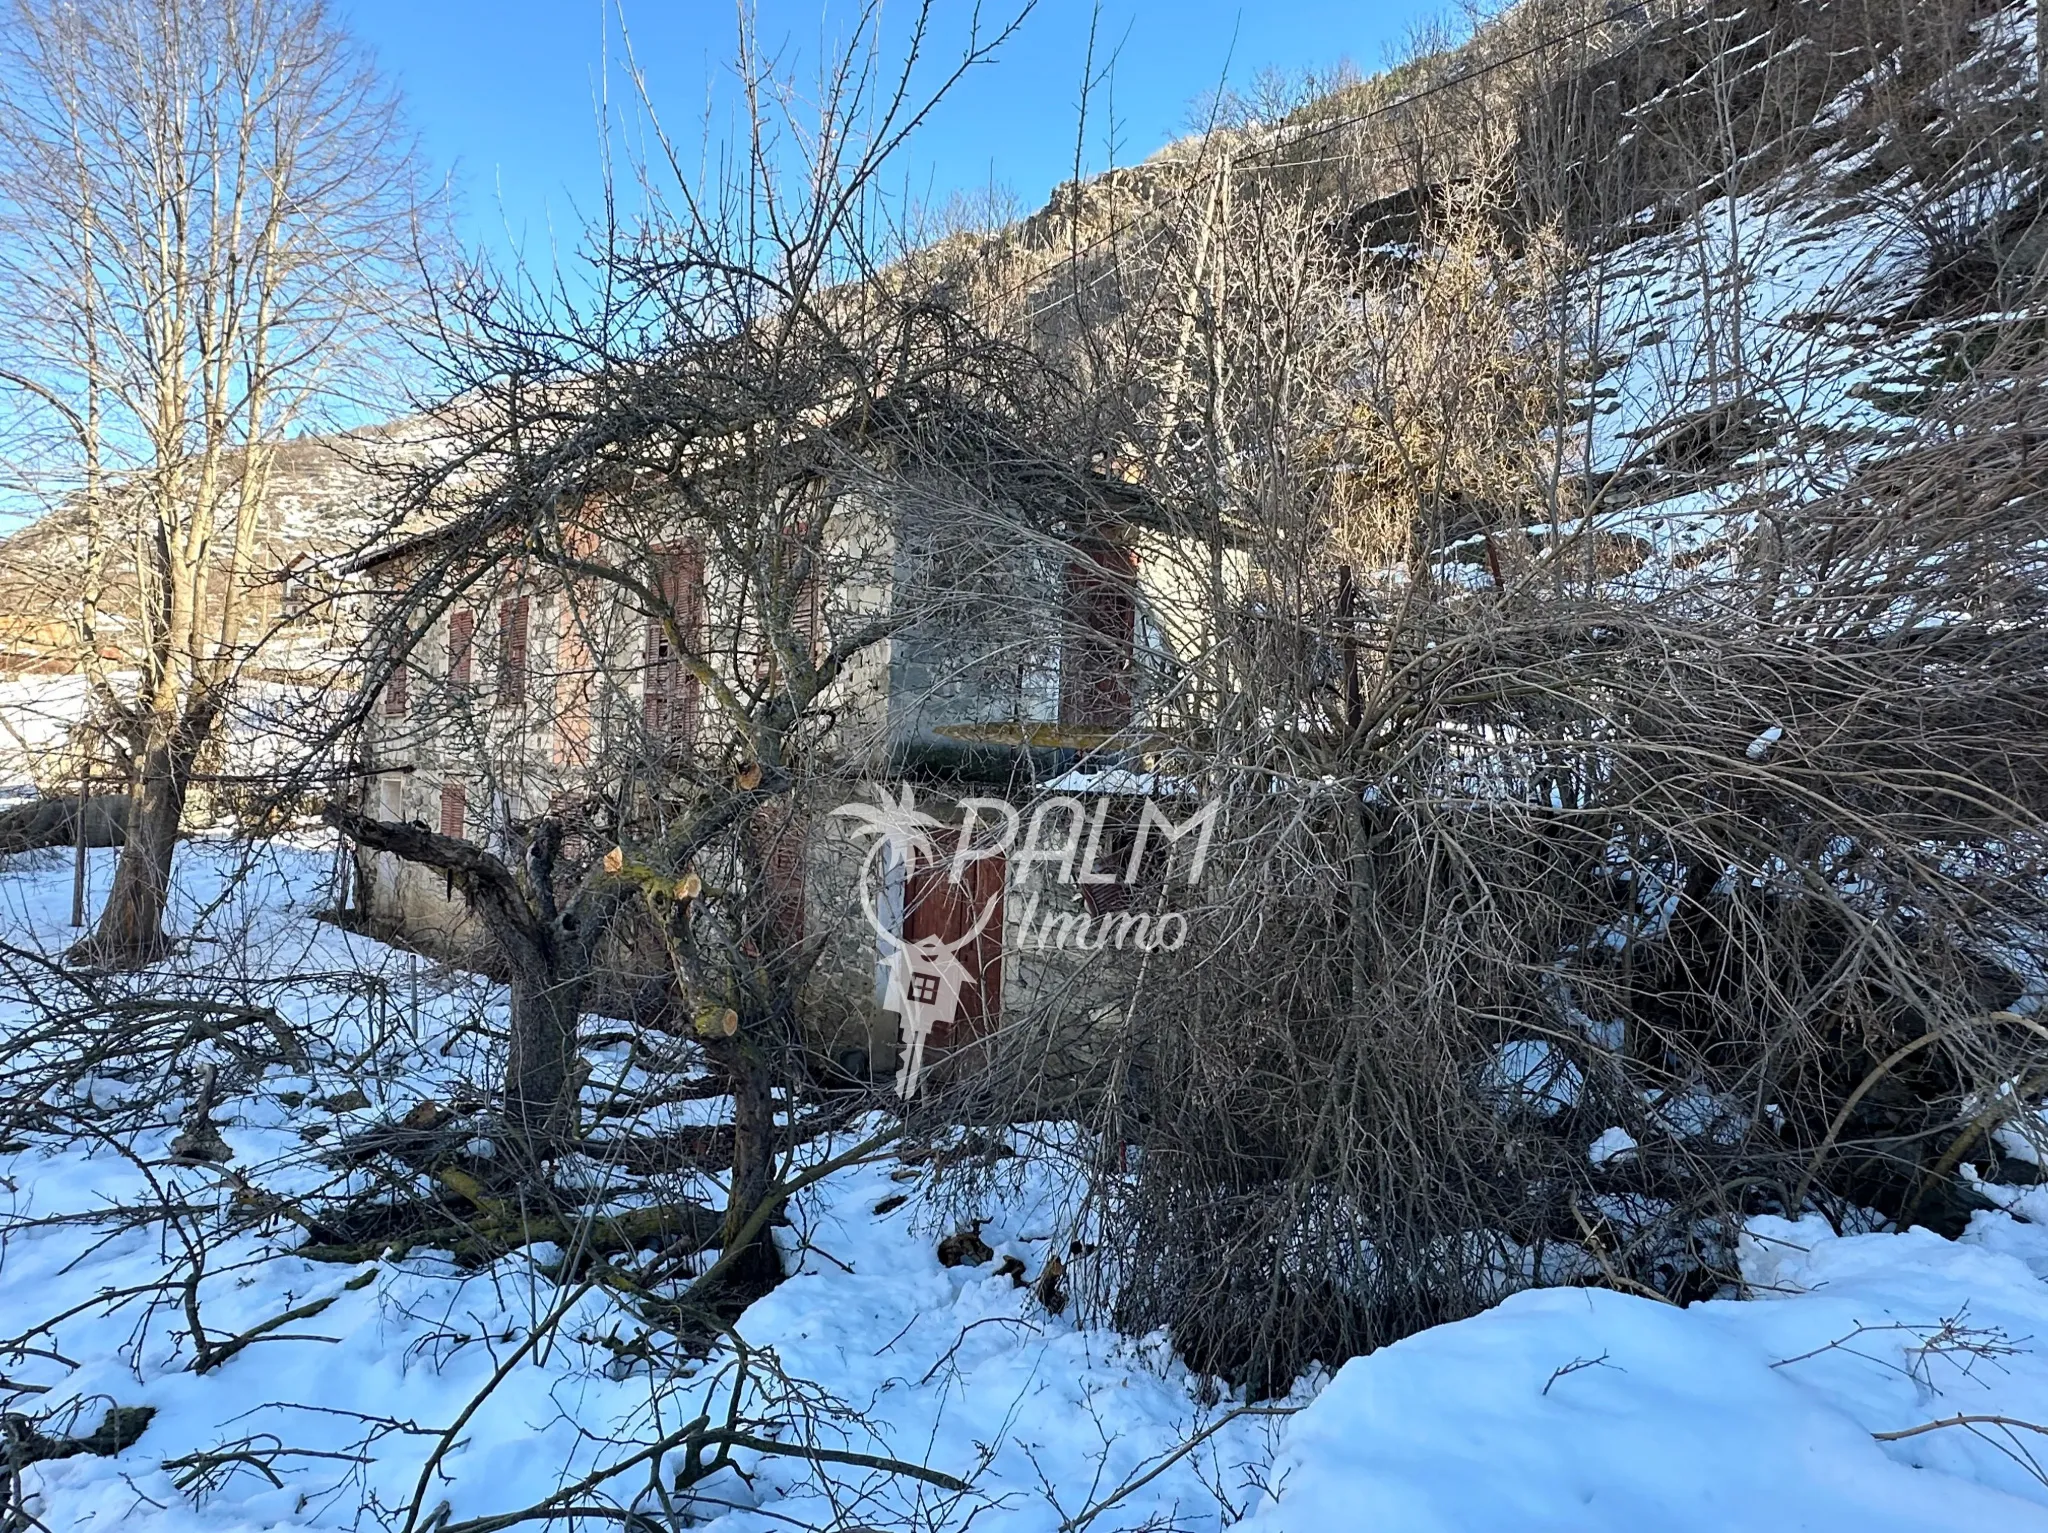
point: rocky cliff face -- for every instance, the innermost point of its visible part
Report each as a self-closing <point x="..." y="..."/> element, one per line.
<point x="1783" y="237"/>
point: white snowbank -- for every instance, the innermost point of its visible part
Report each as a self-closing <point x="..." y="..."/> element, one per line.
<point x="1588" y="1410"/>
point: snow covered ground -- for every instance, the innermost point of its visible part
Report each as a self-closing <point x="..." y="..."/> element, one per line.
<point x="37" y="715"/>
<point x="1567" y="1408"/>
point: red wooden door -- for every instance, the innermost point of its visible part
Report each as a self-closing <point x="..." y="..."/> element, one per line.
<point x="935" y="906"/>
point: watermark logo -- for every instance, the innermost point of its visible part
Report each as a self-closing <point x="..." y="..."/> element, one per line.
<point x="953" y="878"/>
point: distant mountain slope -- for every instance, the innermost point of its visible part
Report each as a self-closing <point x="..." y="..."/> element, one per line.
<point x="328" y="495"/>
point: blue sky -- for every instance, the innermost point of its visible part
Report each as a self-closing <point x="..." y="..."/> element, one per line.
<point x="504" y="91"/>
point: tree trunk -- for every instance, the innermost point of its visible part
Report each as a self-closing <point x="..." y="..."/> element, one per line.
<point x="543" y="1079"/>
<point x="759" y="1267"/>
<point x="762" y="1050"/>
<point x="130" y="933"/>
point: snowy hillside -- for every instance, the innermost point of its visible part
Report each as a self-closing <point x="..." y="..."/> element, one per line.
<point x="1779" y="338"/>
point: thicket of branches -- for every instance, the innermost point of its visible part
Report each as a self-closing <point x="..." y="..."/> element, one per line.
<point x="718" y="491"/>
<point x="1551" y="812"/>
<point x="1553" y="808"/>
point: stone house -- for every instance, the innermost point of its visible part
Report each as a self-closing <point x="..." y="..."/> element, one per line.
<point x="510" y="697"/>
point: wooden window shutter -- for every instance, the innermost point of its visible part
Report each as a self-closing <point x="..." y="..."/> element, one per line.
<point x="684" y="579"/>
<point x="672" y="695"/>
<point x="512" y="616"/>
<point x="657" y="662"/>
<point x="454" y="810"/>
<point x="807" y="607"/>
<point x="1100" y="623"/>
<point x="778" y="834"/>
<point x="397" y="691"/>
<point x="461" y="645"/>
<point x="810" y="618"/>
<point x="575" y="675"/>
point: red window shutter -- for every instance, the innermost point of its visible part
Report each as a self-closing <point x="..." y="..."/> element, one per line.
<point x="671" y="693"/>
<point x="397" y="691"/>
<point x="512" y="650"/>
<point x="779" y="842"/>
<point x="454" y="810"/>
<point x="657" y="662"/>
<point x="810" y="619"/>
<point x="575" y="675"/>
<point x="807" y="606"/>
<point x="683" y="584"/>
<point x="683" y="719"/>
<point x="1101" y="622"/>
<point x="461" y="645"/>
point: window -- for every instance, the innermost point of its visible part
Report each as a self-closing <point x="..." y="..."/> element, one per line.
<point x="670" y="692"/>
<point x="461" y="646"/>
<point x="454" y="810"/>
<point x="1112" y="835"/>
<point x="806" y="634"/>
<point x="295" y="596"/>
<point x="1100" y="629"/>
<point x="512" y="650"/>
<point x="396" y="691"/>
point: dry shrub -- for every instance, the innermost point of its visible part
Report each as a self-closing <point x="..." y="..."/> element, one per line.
<point x="1738" y="853"/>
<point x="1366" y="1098"/>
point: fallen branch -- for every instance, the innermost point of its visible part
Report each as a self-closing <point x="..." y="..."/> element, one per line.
<point x="839" y="1456"/>
<point x="212" y="1355"/>
<point x="118" y="1430"/>
<point x="1960" y="1421"/>
<point x="694" y="1434"/>
<point x="1618" y="1280"/>
<point x="23" y="1442"/>
<point x="1137" y="1482"/>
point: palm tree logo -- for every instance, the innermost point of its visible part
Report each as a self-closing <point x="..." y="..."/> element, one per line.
<point x="899" y="827"/>
<point x="925" y="975"/>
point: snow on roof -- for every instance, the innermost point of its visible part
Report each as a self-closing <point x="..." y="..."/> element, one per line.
<point x="1115" y="780"/>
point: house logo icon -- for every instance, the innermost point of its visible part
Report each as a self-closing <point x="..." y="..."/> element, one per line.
<point x="925" y="977"/>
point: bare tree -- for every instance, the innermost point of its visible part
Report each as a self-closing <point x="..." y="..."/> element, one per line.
<point x="207" y="213"/>
<point x="700" y="507"/>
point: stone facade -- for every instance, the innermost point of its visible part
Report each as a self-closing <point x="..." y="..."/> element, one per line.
<point x="508" y="697"/>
